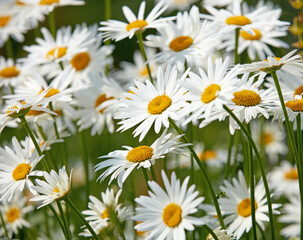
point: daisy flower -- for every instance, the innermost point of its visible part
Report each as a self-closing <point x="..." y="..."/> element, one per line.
<point x="209" y="91"/>
<point x="185" y="40"/>
<point x="56" y="187"/>
<point x="117" y="30"/>
<point x="122" y="162"/>
<point x="16" y="166"/>
<point x="148" y="103"/>
<point x="180" y="5"/>
<point x="291" y="216"/>
<point x="10" y="73"/>
<point x="284" y="179"/>
<point x="98" y="215"/>
<point x="166" y="214"/>
<point x="14" y="213"/>
<point x="236" y="205"/>
<point x="218" y="3"/>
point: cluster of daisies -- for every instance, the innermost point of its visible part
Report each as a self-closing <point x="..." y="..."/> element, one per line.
<point x="197" y="74"/>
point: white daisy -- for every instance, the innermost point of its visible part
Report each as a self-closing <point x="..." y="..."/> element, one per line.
<point x="185" y="40"/>
<point x="218" y="3"/>
<point x="56" y="187"/>
<point x="117" y="30"/>
<point x="98" y="215"/>
<point x="166" y="214"/>
<point x="236" y="205"/>
<point x="209" y="91"/>
<point x="152" y="103"/>
<point x="284" y="179"/>
<point x="14" y="213"/>
<point x="122" y="162"/>
<point x="10" y="73"/>
<point x="16" y="166"/>
<point x="291" y="217"/>
<point x="178" y="4"/>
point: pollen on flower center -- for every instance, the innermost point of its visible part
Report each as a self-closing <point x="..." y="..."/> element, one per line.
<point x="51" y="92"/>
<point x="210" y="93"/>
<point x="246" y="98"/>
<point x="101" y="99"/>
<point x="180" y="43"/>
<point x="244" y="207"/>
<point x="21" y="171"/>
<point x="248" y="36"/>
<point x="238" y="20"/>
<point x="159" y="104"/>
<point x="12" y="214"/>
<point x="295" y="105"/>
<point x="207" y="155"/>
<point x="144" y="72"/>
<point x="56" y="52"/>
<point x="56" y="190"/>
<point x="136" y="24"/>
<point x="9" y="72"/>
<point x="105" y="213"/>
<point x="277" y="58"/>
<point x="4" y="20"/>
<point x="172" y="215"/>
<point x="48" y="2"/>
<point x="267" y="138"/>
<point x="80" y="61"/>
<point x="299" y="90"/>
<point x="140" y="154"/>
<point x="292" y="174"/>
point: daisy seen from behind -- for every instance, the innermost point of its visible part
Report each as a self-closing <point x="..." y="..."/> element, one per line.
<point x="117" y="30"/>
<point x="121" y="163"/>
<point x="149" y="104"/>
<point x="56" y="187"/>
<point x="236" y="206"/>
<point x="16" y="166"/>
<point x="165" y="214"/>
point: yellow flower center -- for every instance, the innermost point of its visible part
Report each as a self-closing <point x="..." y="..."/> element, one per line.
<point x="34" y="113"/>
<point x="277" y="58"/>
<point x="144" y="72"/>
<point x="51" y="92"/>
<point x="21" y="171"/>
<point x="140" y="154"/>
<point x="80" y="61"/>
<point x="210" y="93"/>
<point x="238" y="20"/>
<point x="244" y="207"/>
<point x="9" y="72"/>
<point x="172" y="215"/>
<point x="139" y="233"/>
<point x="267" y="138"/>
<point x="207" y="155"/>
<point x="56" y="52"/>
<point x="299" y="90"/>
<point x="295" y="105"/>
<point x="136" y="24"/>
<point x="101" y="99"/>
<point x="180" y="43"/>
<point x="159" y="104"/>
<point x="20" y="3"/>
<point x="246" y="98"/>
<point x="292" y="174"/>
<point x="4" y="20"/>
<point x="12" y="214"/>
<point x="105" y="213"/>
<point x="48" y="2"/>
<point x="248" y="36"/>
<point x="56" y="190"/>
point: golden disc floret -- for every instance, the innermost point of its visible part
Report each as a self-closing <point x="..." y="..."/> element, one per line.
<point x="207" y="155"/>
<point x="159" y="104"/>
<point x="140" y="154"/>
<point x="238" y="20"/>
<point x="246" y="98"/>
<point x="9" y="72"/>
<point x="21" y="171"/>
<point x="12" y="214"/>
<point x="136" y="24"/>
<point x="295" y="105"/>
<point x="101" y="99"/>
<point x="244" y="207"/>
<point x="80" y="61"/>
<point x="210" y="93"/>
<point x="172" y="215"/>
<point x="180" y="43"/>
<point x="292" y="174"/>
<point x="248" y="36"/>
<point x="4" y="20"/>
<point x="48" y="2"/>
<point x="57" y="52"/>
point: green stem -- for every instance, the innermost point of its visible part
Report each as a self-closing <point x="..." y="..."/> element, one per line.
<point x="211" y="232"/>
<point x="116" y="222"/>
<point x="263" y="174"/>
<point x="52" y="23"/>
<point x="204" y="172"/>
<point x="153" y="174"/>
<point x="68" y="234"/>
<point x="236" y="56"/>
<point x="145" y="177"/>
<point x="71" y="204"/>
<point x="58" y="220"/>
<point x="46" y="223"/>
<point x="85" y="161"/>
<point x="4" y="226"/>
<point x="9" y="49"/>
<point x="141" y="45"/>
<point x="230" y="146"/>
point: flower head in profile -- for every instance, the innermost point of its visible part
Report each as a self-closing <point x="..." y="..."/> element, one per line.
<point x="165" y="214"/>
<point x="236" y="205"/>
<point x="16" y="166"/>
<point x="56" y="187"/>
<point x="117" y="30"/>
<point x="122" y="162"/>
<point x="149" y="104"/>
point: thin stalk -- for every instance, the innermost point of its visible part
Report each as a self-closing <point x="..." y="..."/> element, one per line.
<point x="3" y="225"/>
<point x="140" y="39"/>
<point x="68" y="234"/>
<point x="236" y="56"/>
<point x="211" y="232"/>
<point x="252" y="186"/>
<point x="153" y="174"/>
<point x="191" y="138"/>
<point x="58" y="220"/>
<point x="263" y="174"/>
<point x="204" y="172"/>
<point x="72" y="205"/>
<point x="46" y="223"/>
<point x="85" y="161"/>
<point x="107" y="14"/>
<point x="116" y="222"/>
<point x="32" y="136"/>
<point x="230" y="146"/>
<point x="52" y="23"/>
<point x="9" y="49"/>
<point x="146" y="178"/>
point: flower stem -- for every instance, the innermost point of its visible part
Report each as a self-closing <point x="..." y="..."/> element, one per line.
<point x="146" y="178"/>
<point x="140" y="39"/>
<point x="52" y="23"/>
<point x="263" y="174"/>
<point x="236" y="56"/>
<point x="230" y="146"/>
<point x="58" y="220"/>
<point x="85" y="160"/>
<point x="9" y="48"/>
<point x="204" y="172"/>
<point x="211" y="232"/>
<point x="4" y="226"/>
<point x="72" y="205"/>
<point x="68" y="234"/>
